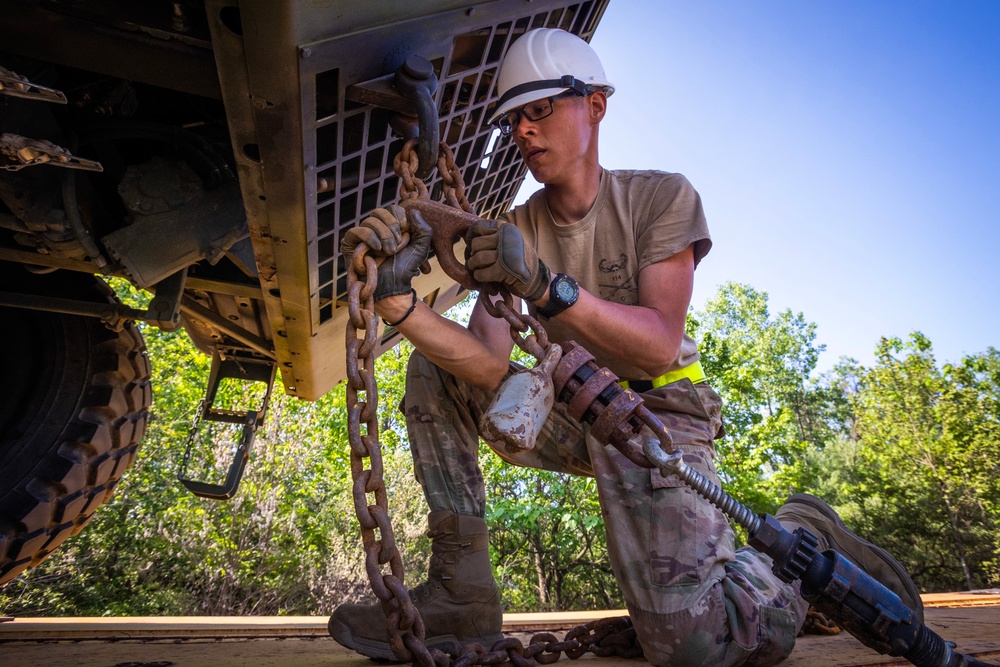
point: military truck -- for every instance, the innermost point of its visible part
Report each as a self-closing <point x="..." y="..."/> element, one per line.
<point x="210" y="152"/>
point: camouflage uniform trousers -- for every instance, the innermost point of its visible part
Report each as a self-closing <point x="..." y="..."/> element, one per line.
<point x="693" y="599"/>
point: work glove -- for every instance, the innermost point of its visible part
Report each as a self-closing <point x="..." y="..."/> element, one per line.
<point x="498" y="254"/>
<point x="383" y="233"/>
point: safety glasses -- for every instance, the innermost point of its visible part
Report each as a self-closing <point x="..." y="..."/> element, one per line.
<point x="533" y="111"/>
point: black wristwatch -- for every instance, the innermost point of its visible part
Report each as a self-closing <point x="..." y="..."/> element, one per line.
<point x="563" y="293"/>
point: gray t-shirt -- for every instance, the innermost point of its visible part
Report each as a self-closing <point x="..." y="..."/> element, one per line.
<point x="638" y="219"/>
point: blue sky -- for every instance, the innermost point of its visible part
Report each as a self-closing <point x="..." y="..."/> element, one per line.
<point x="847" y="153"/>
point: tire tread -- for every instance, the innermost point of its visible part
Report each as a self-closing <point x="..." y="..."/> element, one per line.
<point x="82" y="472"/>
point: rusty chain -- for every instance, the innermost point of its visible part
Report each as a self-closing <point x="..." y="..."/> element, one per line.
<point x="818" y="623"/>
<point x="526" y="332"/>
<point x="404" y="620"/>
<point x="406" y="629"/>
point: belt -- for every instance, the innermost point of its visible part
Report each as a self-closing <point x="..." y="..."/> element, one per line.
<point x="693" y="372"/>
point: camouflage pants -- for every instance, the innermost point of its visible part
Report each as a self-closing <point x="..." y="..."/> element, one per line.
<point x="694" y="600"/>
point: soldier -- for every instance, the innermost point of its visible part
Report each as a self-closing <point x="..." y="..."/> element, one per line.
<point x="606" y="258"/>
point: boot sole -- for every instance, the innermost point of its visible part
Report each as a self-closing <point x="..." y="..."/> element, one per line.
<point x="917" y="606"/>
<point x="379" y="650"/>
<point x="373" y="649"/>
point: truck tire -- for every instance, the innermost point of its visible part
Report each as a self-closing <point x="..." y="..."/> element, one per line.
<point x="75" y="406"/>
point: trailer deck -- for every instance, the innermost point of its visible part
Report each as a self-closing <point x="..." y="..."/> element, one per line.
<point x="970" y="620"/>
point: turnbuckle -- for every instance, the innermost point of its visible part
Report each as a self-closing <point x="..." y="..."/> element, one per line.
<point x="594" y="396"/>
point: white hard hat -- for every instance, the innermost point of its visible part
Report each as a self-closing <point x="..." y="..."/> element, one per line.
<point x="545" y="62"/>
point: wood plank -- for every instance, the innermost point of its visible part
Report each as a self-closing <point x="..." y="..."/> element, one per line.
<point x="976" y="631"/>
<point x="988" y="598"/>
<point x="301" y="641"/>
<point x="160" y="627"/>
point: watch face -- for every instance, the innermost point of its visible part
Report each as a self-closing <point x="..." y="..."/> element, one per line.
<point x="566" y="290"/>
<point x="563" y="293"/>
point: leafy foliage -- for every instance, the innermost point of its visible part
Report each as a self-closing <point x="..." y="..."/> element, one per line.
<point x="547" y="539"/>
<point x="921" y="475"/>
<point x="907" y="451"/>
<point x="762" y="365"/>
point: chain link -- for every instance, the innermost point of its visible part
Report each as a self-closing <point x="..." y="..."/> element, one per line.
<point x="525" y="330"/>
<point x="451" y="177"/>
<point x="192" y="435"/>
<point x="405" y="626"/>
<point x="362" y="410"/>
<point x="405" y="165"/>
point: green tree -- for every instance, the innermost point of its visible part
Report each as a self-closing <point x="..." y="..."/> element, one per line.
<point x="773" y="410"/>
<point x="547" y="539"/>
<point x="920" y="475"/>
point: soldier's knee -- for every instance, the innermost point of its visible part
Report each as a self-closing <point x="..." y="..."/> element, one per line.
<point x="700" y="649"/>
<point x="692" y="653"/>
<point x="682" y="639"/>
<point x="707" y="634"/>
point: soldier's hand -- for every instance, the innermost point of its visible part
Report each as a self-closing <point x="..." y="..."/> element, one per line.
<point x="381" y="231"/>
<point x="398" y="270"/>
<point x="500" y="255"/>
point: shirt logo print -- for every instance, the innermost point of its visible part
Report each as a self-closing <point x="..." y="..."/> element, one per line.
<point x="620" y="285"/>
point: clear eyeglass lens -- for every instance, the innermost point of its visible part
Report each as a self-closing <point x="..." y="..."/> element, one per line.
<point x="533" y="111"/>
<point x="505" y="124"/>
<point x="538" y="109"/>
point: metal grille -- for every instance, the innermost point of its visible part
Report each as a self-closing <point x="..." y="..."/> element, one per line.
<point x="353" y="146"/>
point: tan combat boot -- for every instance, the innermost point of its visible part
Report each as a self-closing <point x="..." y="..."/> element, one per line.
<point x="459" y="602"/>
<point x="819" y="518"/>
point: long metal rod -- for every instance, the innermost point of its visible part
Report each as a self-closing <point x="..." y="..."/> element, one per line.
<point x="673" y="463"/>
<point x="37" y="259"/>
<point x="106" y="311"/>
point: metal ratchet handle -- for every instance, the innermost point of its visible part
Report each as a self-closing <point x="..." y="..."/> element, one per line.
<point x="448" y="224"/>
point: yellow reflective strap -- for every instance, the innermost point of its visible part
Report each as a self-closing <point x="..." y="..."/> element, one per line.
<point x="693" y="372"/>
